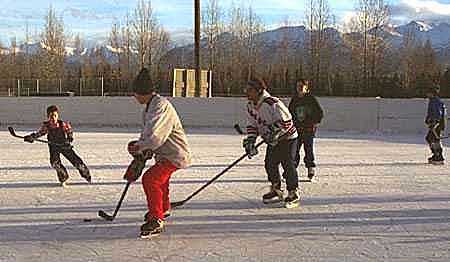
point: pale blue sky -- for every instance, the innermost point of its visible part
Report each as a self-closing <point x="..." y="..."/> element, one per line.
<point x="94" y="18"/>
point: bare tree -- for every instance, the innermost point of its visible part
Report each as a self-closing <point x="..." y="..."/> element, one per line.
<point x="243" y="47"/>
<point x="212" y="28"/>
<point x="371" y="19"/>
<point x="318" y="18"/>
<point x="151" y="40"/>
<point x="115" y="40"/>
<point x="53" y="41"/>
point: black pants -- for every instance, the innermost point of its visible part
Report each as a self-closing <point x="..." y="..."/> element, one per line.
<point x="55" y="160"/>
<point x="306" y="140"/>
<point x="283" y="153"/>
<point x="434" y="142"/>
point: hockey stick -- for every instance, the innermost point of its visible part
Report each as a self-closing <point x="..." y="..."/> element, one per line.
<point x="107" y="217"/>
<point x="180" y="203"/>
<point x="13" y="133"/>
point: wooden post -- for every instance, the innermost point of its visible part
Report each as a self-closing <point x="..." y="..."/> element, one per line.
<point x="197" y="48"/>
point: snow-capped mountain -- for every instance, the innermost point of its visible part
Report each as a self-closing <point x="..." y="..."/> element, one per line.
<point x="291" y="38"/>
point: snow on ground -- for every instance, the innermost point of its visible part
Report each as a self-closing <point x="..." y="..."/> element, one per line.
<point x="376" y="200"/>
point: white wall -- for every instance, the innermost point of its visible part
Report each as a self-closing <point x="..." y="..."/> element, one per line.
<point x="341" y="114"/>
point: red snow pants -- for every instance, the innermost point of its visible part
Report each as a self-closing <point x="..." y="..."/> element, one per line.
<point x="156" y="187"/>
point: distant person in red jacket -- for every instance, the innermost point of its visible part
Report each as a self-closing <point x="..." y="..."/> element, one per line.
<point x="60" y="134"/>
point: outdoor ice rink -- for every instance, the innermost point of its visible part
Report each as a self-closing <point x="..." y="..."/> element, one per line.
<point x="376" y="200"/>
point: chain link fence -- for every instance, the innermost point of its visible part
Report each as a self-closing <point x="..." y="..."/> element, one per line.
<point x="65" y="87"/>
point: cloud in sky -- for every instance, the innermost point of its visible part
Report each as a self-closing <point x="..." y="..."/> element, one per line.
<point x="430" y="10"/>
<point x="90" y="17"/>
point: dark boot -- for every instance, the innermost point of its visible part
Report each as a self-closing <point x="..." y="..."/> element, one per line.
<point x="84" y="172"/>
<point x="274" y="196"/>
<point x="152" y="228"/>
<point x="293" y="199"/>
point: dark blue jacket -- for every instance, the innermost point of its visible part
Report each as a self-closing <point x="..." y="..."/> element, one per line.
<point x="436" y="111"/>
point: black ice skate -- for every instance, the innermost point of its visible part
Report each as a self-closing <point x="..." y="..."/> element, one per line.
<point x="84" y="172"/>
<point x="152" y="228"/>
<point x="437" y="160"/>
<point x="293" y="199"/>
<point x="274" y="196"/>
<point x="311" y="174"/>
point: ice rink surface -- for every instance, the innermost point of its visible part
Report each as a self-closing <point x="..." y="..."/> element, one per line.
<point x="376" y="200"/>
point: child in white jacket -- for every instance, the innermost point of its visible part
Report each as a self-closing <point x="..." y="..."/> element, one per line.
<point x="270" y="118"/>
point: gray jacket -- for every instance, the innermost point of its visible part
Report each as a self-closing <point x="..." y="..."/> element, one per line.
<point x="163" y="133"/>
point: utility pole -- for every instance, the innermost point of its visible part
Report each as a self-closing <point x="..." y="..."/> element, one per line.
<point x="197" y="48"/>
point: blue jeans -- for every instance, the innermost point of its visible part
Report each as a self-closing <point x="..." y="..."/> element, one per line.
<point x="283" y="153"/>
<point x="307" y="140"/>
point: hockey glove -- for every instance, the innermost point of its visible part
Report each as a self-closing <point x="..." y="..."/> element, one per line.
<point x="133" y="148"/>
<point x="28" y="138"/>
<point x="250" y="147"/>
<point x="134" y="170"/>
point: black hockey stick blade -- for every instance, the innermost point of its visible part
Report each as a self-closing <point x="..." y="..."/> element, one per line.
<point x="12" y="132"/>
<point x="105" y="216"/>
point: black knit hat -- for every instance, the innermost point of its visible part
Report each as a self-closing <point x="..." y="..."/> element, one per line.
<point x="142" y="84"/>
<point x="52" y="109"/>
<point x="258" y="84"/>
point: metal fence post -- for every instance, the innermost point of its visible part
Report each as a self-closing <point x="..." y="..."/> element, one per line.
<point x="378" y="113"/>
<point x="37" y="86"/>
<point x="60" y="86"/>
<point x="103" y="90"/>
<point x="18" y="87"/>
<point x="80" y="86"/>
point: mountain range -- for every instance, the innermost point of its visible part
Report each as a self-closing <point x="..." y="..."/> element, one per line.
<point x="294" y="36"/>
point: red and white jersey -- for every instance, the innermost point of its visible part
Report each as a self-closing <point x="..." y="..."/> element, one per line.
<point x="269" y="111"/>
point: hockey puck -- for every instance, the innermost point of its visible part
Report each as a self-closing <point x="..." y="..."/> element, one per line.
<point x="87" y="220"/>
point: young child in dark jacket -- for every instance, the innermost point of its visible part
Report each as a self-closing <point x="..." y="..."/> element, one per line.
<point x="60" y="136"/>
<point x="307" y="114"/>
<point x="436" y="122"/>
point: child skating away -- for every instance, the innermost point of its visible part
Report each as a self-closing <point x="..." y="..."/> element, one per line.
<point x="436" y="121"/>
<point x="164" y="138"/>
<point x="270" y="118"/>
<point x="307" y="114"/>
<point x="60" y="134"/>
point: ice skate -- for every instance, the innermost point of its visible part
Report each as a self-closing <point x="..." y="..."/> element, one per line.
<point x="152" y="228"/>
<point x="274" y="196"/>
<point x="293" y="199"/>
<point x="311" y="174"/>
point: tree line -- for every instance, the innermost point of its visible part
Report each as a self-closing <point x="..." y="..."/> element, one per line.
<point x="357" y="60"/>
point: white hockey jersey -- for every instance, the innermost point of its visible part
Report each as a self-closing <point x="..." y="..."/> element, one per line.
<point x="269" y="111"/>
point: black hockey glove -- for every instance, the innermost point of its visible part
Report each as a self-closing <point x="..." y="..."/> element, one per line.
<point x="250" y="147"/>
<point x="28" y="138"/>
